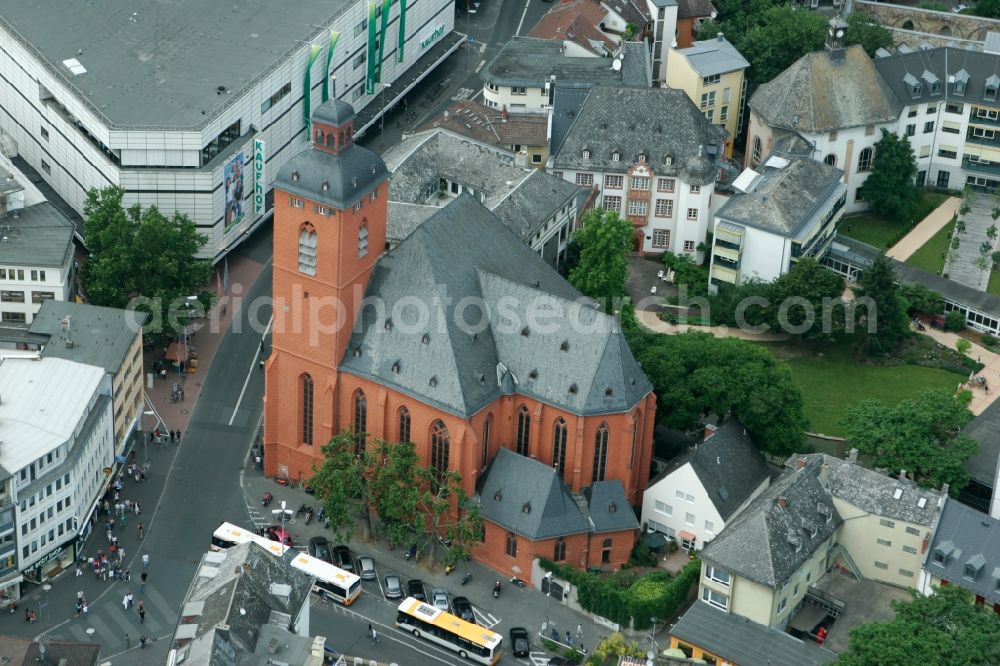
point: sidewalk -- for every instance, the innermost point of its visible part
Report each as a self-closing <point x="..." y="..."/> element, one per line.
<point x="924" y="230"/>
<point x="980" y="398"/>
<point x="651" y="321"/>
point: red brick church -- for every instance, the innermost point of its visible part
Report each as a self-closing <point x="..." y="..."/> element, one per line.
<point x="548" y="419"/>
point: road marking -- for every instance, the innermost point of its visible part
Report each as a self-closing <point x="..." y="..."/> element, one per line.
<point x="480" y="65"/>
<point x="521" y="22"/>
<point x="463" y="93"/>
<point x="539" y="658"/>
<point x="487" y="620"/>
<point x="253" y="365"/>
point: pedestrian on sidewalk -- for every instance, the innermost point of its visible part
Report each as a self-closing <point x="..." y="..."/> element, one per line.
<point x="369" y="630"/>
<point x="374" y="637"/>
<point x="142" y="642"/>
<point x="142" y="613"/>
<point x="27" y="614"/>
<point x="145" y="560"/>
<point x="125" y="601"/>
<point x="127" y="576"/>
<point x="138" y="509"/>
<point x="142" y="580"/>
<point x="128" y="642"/>
<point x="121" y="521"/>
<point x="579" y="632"/>
<point x="141" y="531"/>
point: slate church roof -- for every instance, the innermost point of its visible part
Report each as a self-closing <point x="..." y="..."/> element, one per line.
<point x="779" y="531"/>
<point x="528" y="497"/>
<point x="825" y="91"/>
<point x="475" y="281"/>
<point x="729" y="467"/>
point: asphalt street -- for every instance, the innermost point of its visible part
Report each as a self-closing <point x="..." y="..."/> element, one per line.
<point x="200" y="483"/>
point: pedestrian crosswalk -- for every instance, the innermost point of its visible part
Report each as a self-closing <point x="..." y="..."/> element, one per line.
<point x="112" y="623"/>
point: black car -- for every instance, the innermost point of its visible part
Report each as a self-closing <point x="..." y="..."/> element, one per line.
<point x="343" y="558"/>
<point x="319" y="548"/>
<point x="461" y="607"/>
<point x="519" y="641"/>
<point x="415" y="589"/>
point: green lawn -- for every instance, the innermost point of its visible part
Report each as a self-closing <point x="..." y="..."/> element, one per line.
<point x="880" y="232"/>
<point x="930" y="257"/>
<point x="994" y="286"/>
<point x="833" y="381"/>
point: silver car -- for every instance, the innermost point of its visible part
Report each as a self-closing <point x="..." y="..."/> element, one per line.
<point x="440" y="599"/>
<point x="366" y="568"/>
<point x="393" y="587"/>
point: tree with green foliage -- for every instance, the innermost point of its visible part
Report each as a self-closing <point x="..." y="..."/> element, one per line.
<point x="921" y="435"/>
<point x="138" y="252"/>
<point x="891" y="188"/>
<point x="987" y="8"/>
<point x="916" y="298"/>
<point x="945" y="629"/>
<point x="444" y="508"/>
<point x="605" y="240"/>
<point x="696" y="374"/>
<point x="872" y="36"/>
<point x="890" y="325"/>
<point x="806" y="292"/>
<point x="782" y="35"/>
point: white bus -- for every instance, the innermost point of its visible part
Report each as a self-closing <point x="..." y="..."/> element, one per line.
<point x="469" y="640"/>
<point x="229" y="535"/>
<point x="331" y="582"/>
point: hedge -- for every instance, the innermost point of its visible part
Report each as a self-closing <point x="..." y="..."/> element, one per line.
<point x="630" y="601"/>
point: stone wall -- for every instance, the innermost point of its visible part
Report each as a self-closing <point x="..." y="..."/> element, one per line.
<point x="914" y="20"/>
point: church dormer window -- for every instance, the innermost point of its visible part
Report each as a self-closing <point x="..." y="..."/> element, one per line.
<point x="586" y="154"/>
<point x="295" y="176"/>
<point x="326" y="185"/>
<point x="616" y="156"/>
<point x="363" y="239"/>
<point x="307" y="249"/>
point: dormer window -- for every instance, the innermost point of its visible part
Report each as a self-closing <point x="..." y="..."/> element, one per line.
<point x="586" y="153"/>
<point x="564" y="346"/>
<point x="395" y="368"/>
<point x="642" y="158"/>
<point x="974" y="566"/>
<point x="612" y="507"/>
<point x="932" y="81"/>
<point x="572" y="389"/>
<point x="526" y="508"/>
<point x="497" y="496"/>
<point x="913" y="85"/>
<point x="668" y="160"/>
<point x="992" y="84"/>
<point x="326" y="185"/>
<point x="426" y="339"/>
<point x="961" y="81"/>
<point x="616" y="156"/>
<point x="388" y="324"/>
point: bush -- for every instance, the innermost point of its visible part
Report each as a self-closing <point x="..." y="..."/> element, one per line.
<point x="988" y="340"/>
<point x="627" y="599"/>
<point x="954" y="321"/>
<point x="642" y="556"/>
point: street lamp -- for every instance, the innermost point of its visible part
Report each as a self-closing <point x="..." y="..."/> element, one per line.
<point x="146" y="436"/>
<point x="381" y="120"/>
<point x="548" y="598"/>
<point x="283" y="526"/>
<point x="48" y="611"/>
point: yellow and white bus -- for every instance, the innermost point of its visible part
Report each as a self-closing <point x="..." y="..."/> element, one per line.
<point x="331" y="582"/>
<point x="469" y="640"/>
<point x="229" y="535"/>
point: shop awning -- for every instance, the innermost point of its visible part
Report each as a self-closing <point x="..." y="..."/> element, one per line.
<point x="687" y="536"/>
<point x="177" y="352"/>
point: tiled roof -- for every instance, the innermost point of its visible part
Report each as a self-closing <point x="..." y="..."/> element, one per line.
<point x="100" y="336"/>
<point x="489" y="126"/>
<point x="826" y="91"/>
<point x="576" y="21"/>
<point x="773" y="537"/>
<point x="729" y="467"/>
<point x="694" y="9"/>
<point x="789" y="196"/>
<point x="404" y="218"/>
<point x="713" y="56"/>
<point x="948" y="66"/>
<point x="534" y="201"/>
<point x="39" y="235"/>
<point x="635" y="12"/>
<point x="966" y="536"/>
<point x="740" y="641"/>
<point x="985" y="429"/>
<point x="528" y="498"/>
<point x="465" y="252"/>
<point x="659" y="122"/>
<point x="875" y="493"/>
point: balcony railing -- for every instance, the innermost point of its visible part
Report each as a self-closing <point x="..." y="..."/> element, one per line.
<point x="977" y="120"/>
<point x="980" y="167"/>
<point x="982" y="140"/>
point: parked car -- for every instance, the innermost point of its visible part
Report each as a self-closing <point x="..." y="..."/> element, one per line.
<point x="462" y="607"/>
<point x="319" y="548"/>
<point x="439" y="599"/>
<point x="343" y="558"/>
<point x="415" y="589"/>
<point x="275" y="533"/>
<point x="366" y="568"/>
<point x="393" y="587"/>
<point x="519" y="641"/>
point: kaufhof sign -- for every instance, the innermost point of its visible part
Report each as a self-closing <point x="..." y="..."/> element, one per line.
<point x="259" y="183"/>
<point x="431" y="38"/>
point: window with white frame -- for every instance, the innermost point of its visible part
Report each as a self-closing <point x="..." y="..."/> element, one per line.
<point x="585" y="179"/>
<point x="518" y="90"/>
<point x="755" y="155"/>
<point x="661" y="238"/>
<point x="710" y="526"/>
<point x="679" y="494"/>
<point x="692" y="214"/>
<point x="689" y="519"/>
<point x="614" y="182"/>
<point x="664" y="208"/>
<point x="708" y="99"/>
<point x="640" y="183"/>
<point x="723" y="114"/>
<point x="689" y="246"/>
<point x="612" y="203"/>
<point x="711" y="80"/>
<point x="638" y="207"/>
<point x="664" y="184"/>
<point x="664" y="508"/>
<point x="782" y="605"/>
<point x="307" y="249"/>
<point x="296" y="203"/>
<point x="717" y="575"/>
<point x="714" y="597"/>
<point x="696" y="189"/>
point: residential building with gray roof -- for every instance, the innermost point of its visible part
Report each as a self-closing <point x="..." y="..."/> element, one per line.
<point x="785" y="209"/>
<point x="965" y="552"/>
<point x="431" y="168"/>
<point x="649" y="155"/>
<point x="176" y="102"/>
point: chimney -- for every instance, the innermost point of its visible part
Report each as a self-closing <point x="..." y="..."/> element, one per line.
<point x="926" y="543"/>
<point x="801" y="463"/>
<point x="503" y="114"/>
<point x="944" y="489"/>
<point x="720" y="37"/>
<point x="902" y="475"/>
<point x="852" y="456"/>
<point x="710" y="430"/>
<point x="783" y="502"/>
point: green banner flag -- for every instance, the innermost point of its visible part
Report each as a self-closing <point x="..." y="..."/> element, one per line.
<point x="334" y="36"/>
<point x="307" y="87"/>
<point x="401" y="37"/>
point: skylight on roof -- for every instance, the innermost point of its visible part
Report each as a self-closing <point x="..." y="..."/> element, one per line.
<point x="74" y="66"/>
<point x="922" y="502"/>
<point x="897" y="493"/>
